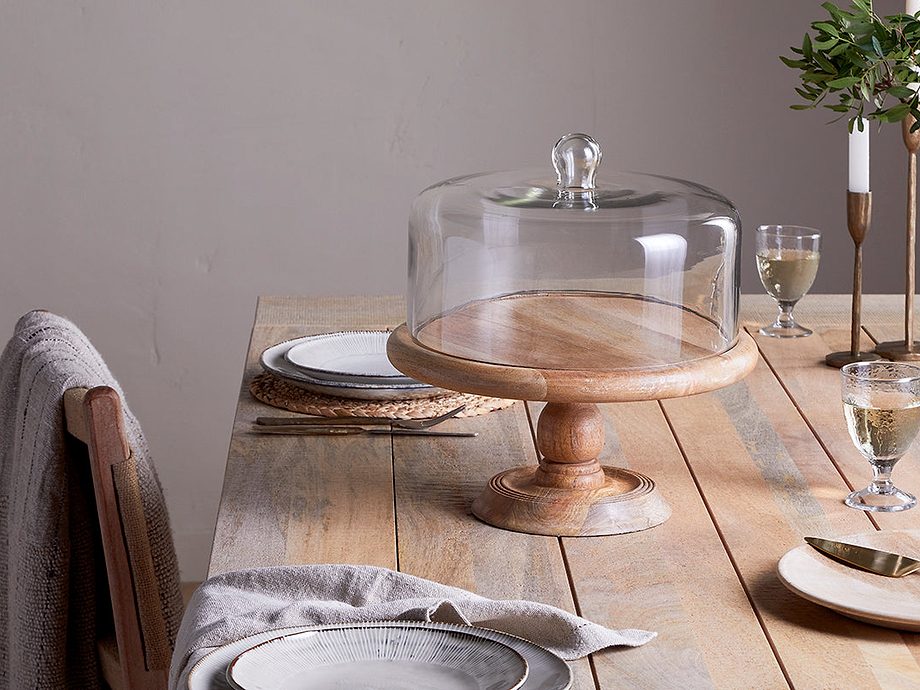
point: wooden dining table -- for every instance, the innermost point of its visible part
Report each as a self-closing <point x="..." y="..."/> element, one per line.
<point x="748" y="471"/>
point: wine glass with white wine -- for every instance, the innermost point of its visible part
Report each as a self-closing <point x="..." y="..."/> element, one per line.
<point x="881" y="403"/>
<point x="787" y="261"/>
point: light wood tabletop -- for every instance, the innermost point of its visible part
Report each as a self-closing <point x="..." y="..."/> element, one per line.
<point x="748" y="470"/>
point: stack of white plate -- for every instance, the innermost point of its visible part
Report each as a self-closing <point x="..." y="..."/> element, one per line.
<point x="398" y="655"/>
<point x="347" y="364"/>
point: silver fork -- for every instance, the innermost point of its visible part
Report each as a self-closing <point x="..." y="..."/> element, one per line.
<point x="426" y="423"/>
<point x="429" y="422"/>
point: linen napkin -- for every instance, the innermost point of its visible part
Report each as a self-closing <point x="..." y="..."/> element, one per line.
<point x="234" y="605"/>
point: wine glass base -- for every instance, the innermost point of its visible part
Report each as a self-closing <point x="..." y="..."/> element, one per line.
<point x="794" y="331"/>
<point x="874" y="502"/>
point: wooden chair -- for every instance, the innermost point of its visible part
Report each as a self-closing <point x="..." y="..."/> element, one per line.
<point x="139" y="655"/>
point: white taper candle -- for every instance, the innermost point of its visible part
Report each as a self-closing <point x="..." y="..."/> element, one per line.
<point x="859" y="157"/>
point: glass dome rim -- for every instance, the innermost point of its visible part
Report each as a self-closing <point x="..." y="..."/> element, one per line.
<point x="464" y="188"/>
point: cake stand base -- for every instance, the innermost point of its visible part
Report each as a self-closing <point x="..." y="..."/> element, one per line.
<point x="626" y="502"/>
<point x="899" y="351"/>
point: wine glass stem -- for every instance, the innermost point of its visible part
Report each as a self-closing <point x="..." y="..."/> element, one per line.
<point x="784" y="318"/>
<point x="881" y="482"/>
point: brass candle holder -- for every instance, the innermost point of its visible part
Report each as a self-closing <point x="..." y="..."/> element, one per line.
<point x="859" y="214"/>
<point x="908" y="349"/>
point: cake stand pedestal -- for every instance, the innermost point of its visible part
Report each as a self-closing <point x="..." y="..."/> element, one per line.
<point x="569" y="493"/>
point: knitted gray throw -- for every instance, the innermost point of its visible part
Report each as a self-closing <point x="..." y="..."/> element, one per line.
<point x="53" y="592"/>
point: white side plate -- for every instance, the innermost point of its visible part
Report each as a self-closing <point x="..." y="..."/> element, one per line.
<point x="892" y="602"/>
<point x="274" y="362"/>
<point x="359" y="356"/>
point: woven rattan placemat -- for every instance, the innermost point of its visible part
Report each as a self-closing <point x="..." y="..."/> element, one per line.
<point x="278" y="393"/>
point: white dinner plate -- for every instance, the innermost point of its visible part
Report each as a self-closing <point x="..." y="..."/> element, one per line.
<point x="546" y="671"/>
<point x="358" y="356"/>
<point x="892" y="602"/>
<point x="274" y="362"/>
<point x="371" y="656"/>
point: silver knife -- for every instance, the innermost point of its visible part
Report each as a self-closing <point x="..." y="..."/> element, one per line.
<point x="873" y="560"/>
<point x="297" y="430"/>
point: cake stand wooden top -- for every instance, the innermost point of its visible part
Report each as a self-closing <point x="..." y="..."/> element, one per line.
<point x="572" y="348"/>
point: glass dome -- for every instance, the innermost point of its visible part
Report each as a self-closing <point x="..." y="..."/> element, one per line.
<point x="587" y="271"/>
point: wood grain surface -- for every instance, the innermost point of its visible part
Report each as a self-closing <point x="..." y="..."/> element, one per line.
<point x="748" y="470"/>
<point x="574" y="330"/>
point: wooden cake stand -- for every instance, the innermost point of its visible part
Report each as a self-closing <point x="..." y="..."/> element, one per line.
<point x="572" y="350"/>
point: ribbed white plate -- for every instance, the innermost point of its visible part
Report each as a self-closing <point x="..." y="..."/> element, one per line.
<point x="379" y="657"/>
<point x="545" y="670"/>
<point x="359" y="356"/>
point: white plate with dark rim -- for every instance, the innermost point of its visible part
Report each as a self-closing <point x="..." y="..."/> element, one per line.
<point x="373" y="656"/>
<point x="355" y="356"/>
<point x="546" y="671"/>
<point x="274" y="362"/>
<point x="892" y="602"/>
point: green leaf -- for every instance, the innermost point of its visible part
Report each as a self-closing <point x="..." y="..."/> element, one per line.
<point x="839" y="49"/>
<point x="860" y="29"/>
<point x="826" y="64"/>
<point x="877" y="47"/>
<point x="898" y="112"/>
<point x="801" y="107"/>
<point x="815" y="78"/>
<point x="794" y="64"/>
<point x="826" y="45"/>
<point x="806" y="47"/>
<point x="827" y="28"/>
<point x="843" y="83"/>
<point x="901" y="92"/>
<point x="836" y="12"/>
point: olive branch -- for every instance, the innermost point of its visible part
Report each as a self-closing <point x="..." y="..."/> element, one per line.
<point x="864" y="60"/>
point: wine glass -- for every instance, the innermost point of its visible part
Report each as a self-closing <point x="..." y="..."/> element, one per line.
<point x="787" y="261"/>
<point x="881" y="403"/>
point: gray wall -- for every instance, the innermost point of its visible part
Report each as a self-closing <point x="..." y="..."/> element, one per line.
<point x="163" y="163"/>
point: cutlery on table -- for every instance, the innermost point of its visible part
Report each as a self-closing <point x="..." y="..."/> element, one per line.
<point x="301" y="430"/>
<point x="873" y="560"/>
<point x="359" y="421"/>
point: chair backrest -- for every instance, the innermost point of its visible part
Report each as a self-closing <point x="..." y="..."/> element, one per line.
<point x="142" y="641"/>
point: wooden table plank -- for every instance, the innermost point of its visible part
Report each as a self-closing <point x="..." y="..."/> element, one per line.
<point x="675" y="579"/>
<point x="284" y="495"/>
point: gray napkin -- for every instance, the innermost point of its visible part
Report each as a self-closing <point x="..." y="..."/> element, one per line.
<point x="234" y="605"/>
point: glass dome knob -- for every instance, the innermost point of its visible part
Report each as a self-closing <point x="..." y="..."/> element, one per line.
<point x="575" y="158"/>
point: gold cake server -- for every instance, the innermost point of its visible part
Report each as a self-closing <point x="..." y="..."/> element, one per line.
<point x="873" y="560"/>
